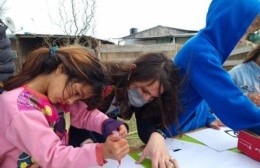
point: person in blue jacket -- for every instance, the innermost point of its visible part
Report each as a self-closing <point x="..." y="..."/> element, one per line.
<point x="200" y="61"/>
<point x="7" y="66"/>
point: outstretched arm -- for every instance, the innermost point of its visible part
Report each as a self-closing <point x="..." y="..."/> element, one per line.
<point x="202" y="57"/>
<point x="155" y="147"/>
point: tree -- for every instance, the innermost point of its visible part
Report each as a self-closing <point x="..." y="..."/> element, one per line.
<point x="76" y="19"/>
<point x="2" y="8"/>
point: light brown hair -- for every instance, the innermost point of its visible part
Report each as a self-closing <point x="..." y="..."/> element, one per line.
<point x="79" y="64"/>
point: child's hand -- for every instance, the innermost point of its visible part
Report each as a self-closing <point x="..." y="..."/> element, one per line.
<point x="216" y="124"/>
<point x="255" y="98"/>
<point x="122" y="130"/>
<point x="115" y="147"/>
<point x="116" y="136"/>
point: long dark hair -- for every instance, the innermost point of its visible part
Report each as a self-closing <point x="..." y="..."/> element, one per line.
<point x="149" y="67"/>
<point x="79" y="64"/>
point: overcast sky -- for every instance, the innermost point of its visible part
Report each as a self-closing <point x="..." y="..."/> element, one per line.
<point x="114" y="18"/>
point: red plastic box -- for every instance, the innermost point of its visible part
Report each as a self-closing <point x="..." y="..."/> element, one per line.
<point x="249" y="143"/>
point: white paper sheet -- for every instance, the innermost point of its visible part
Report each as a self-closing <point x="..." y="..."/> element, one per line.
<point x="126" y="162"/>
<point x="192" y="155"/>
<point x="219" y="140"/>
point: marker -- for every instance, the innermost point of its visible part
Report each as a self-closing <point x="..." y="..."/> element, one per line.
<point x="176" y="150"/>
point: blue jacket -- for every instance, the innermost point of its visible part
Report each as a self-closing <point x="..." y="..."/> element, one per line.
<point x="203" y="116"/>
<point x="200" y="61"/>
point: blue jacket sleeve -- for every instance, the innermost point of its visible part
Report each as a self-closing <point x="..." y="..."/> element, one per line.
<point x="215" y="85"/>
<point x="210" y="118"/>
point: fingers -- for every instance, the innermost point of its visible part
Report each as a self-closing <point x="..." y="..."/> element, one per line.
<point x="174" y="163"/>
<point x="219" y="123"/>
<point x="122" y="131"/>
<point x="257" y="102"/>
<point x="117" y="149"/>
<point x="255" y="98"/>
<point x="214" y="126"/>
<point x="123" y="134"/>
<point x="161" y="164"/>
<point x="121" y="152"/>
<point x="141" y="159"/>
<point x="115" y="136"/>
<point x="168" y="163"/>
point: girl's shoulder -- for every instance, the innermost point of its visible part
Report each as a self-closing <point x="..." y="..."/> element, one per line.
<point x="10" y="97"/>
<point x="15" y="102"/>
<point x="29" y="99"/>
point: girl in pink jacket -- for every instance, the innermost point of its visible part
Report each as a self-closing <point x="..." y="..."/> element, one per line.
<point x="32" y="127"/>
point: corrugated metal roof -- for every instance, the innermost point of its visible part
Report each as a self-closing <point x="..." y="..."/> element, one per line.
<point x="31" y="35"/>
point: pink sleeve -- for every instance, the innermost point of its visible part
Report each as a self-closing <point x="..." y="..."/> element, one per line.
<point x="30" y="132"/>
<point x="82" y="118"/>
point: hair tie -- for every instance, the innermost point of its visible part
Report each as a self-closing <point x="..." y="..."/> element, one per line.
<point x="131" y="70"/>
<point x="53" y="50"/>
<point x="163" y="64"/>
<point x="107" y="90"/>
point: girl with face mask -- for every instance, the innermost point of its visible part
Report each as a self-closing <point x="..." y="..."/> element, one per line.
<point x="146" y="82"/>
<point x="135" y="98"/>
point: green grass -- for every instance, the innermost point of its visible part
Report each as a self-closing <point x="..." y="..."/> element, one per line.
<point x="133" y="138"/>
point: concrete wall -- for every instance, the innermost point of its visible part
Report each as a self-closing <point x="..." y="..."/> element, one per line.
<point x="129" y="52"/>
<point x="114" y="52"/>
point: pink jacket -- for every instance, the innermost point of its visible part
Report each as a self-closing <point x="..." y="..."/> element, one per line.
<point x="28" y="131"/>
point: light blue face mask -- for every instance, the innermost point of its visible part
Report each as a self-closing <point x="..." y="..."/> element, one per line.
<point x="135" y="98"/>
